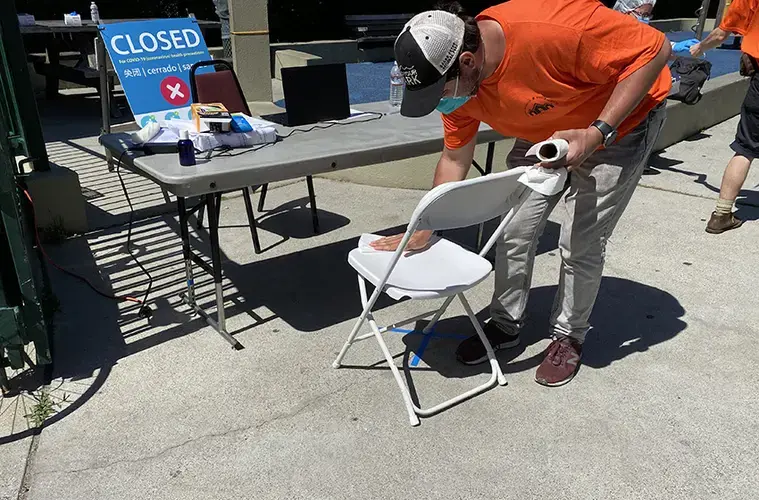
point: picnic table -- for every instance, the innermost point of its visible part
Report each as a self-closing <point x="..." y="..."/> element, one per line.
<point x="54" y="31"/>
<point x="350" y="144"/>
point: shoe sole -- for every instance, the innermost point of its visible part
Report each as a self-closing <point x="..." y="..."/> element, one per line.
<point x="505" y="345"/>
<point x="720" y="231"/>
<point x="559" y="384"/>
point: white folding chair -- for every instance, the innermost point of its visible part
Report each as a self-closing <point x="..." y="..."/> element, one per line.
<point x="445" y="270"/>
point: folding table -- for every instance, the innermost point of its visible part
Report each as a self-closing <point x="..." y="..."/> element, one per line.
<point x="358" y="143"/>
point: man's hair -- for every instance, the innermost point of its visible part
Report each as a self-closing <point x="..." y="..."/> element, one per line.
<point x="472" y="38"/>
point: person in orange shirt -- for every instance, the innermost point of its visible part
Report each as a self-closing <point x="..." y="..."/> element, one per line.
<point x="535" y="69"/>
<point x="739" y="18"/>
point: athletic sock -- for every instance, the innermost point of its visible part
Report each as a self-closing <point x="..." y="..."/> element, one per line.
<point x="724" y="207"/>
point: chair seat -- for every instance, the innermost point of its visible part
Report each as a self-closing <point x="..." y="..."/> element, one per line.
<point x="442" y="270"/>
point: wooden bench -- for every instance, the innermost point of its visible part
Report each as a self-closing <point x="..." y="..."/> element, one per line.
<point x="377" y="30"/>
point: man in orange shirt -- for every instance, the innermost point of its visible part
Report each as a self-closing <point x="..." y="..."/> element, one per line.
<point x="534" y="69"/>
<point x="739" y="18"/>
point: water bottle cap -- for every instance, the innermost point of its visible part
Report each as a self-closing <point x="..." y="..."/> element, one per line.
<point x="184" y="135"/>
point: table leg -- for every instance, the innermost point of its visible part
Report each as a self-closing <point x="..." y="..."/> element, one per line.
<point x="251" y="219"/>
<point x="312" y="202"/>
<point x="215" y="269"/>
<point x="185" y="234"/>
<point x="489" y="158"/>
<point x="262" y="197"/>
<point x="52" y="80"/>
<point x="488" y="170"/>
<point x="213" y="231"/>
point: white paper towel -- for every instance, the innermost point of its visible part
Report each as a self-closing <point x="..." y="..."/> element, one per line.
<point x="549" y="151"/>
<point x="547" y="181"/>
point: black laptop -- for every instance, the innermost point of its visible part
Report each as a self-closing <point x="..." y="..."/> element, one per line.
<point x="315" y="94"/>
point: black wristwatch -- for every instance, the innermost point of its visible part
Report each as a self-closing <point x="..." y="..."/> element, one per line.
<point x="609" y="133"/>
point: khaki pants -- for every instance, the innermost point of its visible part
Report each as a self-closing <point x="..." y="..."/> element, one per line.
<point x="595" y="197"/>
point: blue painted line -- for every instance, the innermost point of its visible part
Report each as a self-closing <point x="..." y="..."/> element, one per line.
<point x="425" y="341"/>
<point x="401" y="330"/>
<point x="432" y="333"/>
<point x="417" y="356"/>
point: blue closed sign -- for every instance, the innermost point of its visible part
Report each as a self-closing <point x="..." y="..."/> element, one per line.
<point x="153" y="61"/>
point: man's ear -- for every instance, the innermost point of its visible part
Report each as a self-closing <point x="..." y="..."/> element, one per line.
<point x="467" y="60"/>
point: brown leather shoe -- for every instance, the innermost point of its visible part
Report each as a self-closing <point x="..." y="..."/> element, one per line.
<point x="720" y="223"/>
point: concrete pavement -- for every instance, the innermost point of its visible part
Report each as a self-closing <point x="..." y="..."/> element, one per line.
<point x="660" y="410"/>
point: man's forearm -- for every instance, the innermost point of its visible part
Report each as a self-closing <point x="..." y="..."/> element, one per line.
<point x="714" y="39"/>
<point x="630" y="92"/>
<point x="454" y="165"/>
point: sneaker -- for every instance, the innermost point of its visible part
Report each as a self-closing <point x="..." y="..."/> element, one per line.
<point x="472" y="351"/>
<point x="560" y="364"/>
<point x="720" y="223"/>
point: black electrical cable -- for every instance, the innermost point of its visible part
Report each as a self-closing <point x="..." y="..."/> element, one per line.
<point x="145" y="310"/>
<point x="225" y="150"/>
<point x="320" y="126"/>
<point x="67" y="271"/>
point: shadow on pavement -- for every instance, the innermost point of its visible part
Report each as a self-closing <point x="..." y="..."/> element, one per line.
<point x="629" y="317"/>
<point x="748" y="197"/>
<point x="293" y="220"/>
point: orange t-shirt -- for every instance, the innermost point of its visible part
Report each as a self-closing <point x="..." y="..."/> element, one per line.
<point x="563" y="59"/>
<point x="739" y="18"/>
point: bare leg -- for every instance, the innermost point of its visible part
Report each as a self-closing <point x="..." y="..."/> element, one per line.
<point x="723" y="219"/>
<point x="734" y="177"/>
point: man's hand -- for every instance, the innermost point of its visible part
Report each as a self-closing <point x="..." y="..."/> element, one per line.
<point x="419" y="241"/>
<point x="582" y="144"/>
<point x="697" y="50"/>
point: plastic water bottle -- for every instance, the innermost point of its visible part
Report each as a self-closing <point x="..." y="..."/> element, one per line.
<point x="94" y="13"/>
<point x="397" y="84"/>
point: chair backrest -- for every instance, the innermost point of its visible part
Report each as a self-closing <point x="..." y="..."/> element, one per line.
<point x="218" y="86"/>
<point x="468" y="202"/>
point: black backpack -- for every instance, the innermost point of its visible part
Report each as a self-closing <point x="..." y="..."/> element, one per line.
<point x="691" y="74"/>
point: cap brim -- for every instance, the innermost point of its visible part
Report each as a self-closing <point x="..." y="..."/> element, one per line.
<point x="419" y="103"/>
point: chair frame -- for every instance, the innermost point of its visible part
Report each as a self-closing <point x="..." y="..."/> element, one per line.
<point x="496" y="378"/>
<point x="246" y="191"/>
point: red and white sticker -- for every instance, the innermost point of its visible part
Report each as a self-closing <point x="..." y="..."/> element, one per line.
<point x="175" y="91"/>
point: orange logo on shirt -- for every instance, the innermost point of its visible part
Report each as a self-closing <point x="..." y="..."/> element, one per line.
<point x="538" y="105"/>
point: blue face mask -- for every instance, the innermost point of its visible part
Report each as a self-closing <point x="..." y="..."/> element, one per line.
<point x="642" y="18"/>
<point x="450" y="104"/>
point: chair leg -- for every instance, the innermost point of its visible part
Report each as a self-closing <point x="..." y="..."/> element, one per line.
<point x="312" y="202"/>
<point x="262" y="198"/>
<point x="410" y="408"/>
<point x="201" y="214"/>
<point x="438" y="314"/>
<point x="366" y="315"/>
<point x="494" y="365"/>
<point x="251" y="220"/>
<point x="359" y="322"/>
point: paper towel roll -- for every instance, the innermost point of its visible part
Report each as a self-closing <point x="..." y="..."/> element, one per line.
<point x="146" y="133"/>
<point x="549" y="151"/>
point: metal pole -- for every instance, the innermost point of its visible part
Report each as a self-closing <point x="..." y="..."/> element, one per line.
<point x="105" y="98"/>
<point x="702" y="18"/>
